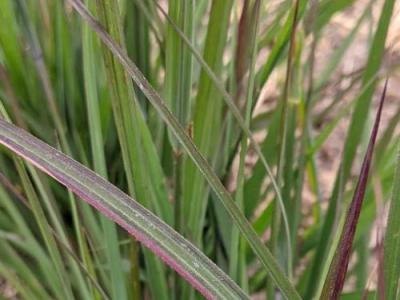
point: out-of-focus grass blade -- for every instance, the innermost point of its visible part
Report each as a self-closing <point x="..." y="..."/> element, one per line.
<point x="13" y="261"/>
<point x="29" y="245"/>
<point x="328" y="9"/>
<point x="138" y="221"/>
<point x="254" y="183"/>
<point x="338" y="268"/>
<point x="261" y="251"/>
<point x="22" y="289"/>
<point x="392" y="241"/>
<point x="44" y="77"/>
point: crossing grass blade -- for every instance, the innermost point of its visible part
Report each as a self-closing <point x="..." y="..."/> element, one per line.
<point x="244" y="226"/>
<point x="229" y="101"/>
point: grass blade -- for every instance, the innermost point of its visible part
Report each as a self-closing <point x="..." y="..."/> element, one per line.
<point x="207" y="118"/>
<point x="99" y="161"/>
<point x="338" y="269"/>
<point x="237" y="266"/>
<point x="139" y="155"/>
<point x="138" y="221"/>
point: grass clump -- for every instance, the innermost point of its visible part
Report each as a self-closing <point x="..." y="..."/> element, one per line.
<point x="212" y="116"/>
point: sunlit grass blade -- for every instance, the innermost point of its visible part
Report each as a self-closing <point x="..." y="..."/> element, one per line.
<point x="261" y="251"/>
<point x="338" y="269"/>
<point x="138" y="221"/>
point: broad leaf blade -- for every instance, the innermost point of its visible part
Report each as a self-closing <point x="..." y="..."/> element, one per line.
<point x="161" y="239"/>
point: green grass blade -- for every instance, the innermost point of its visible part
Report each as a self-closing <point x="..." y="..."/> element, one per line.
<point x="178" y="88"/>
<point x="338" y="55"/>
<point x="207" y="118"/>
<point x="282" y="144"/>
<point x="99" y="162"/>
<point x="139" y="155"/>
<point x="237" y="265"/>
<point x="32" y="248"/>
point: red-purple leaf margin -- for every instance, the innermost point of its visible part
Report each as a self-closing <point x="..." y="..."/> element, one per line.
<point x="337" y="272"/>
<point x="155" y="234"/>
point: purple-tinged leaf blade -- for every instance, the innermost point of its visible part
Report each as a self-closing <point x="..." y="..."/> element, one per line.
<point x="155" y="234"/>
<point x="337" y="272"/>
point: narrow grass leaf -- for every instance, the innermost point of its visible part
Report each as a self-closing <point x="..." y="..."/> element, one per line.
<point x="139" y="155"/>
<point x="251" y="11"/>
<point x="99" y="161"/>
<point x="338" y="269"/>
